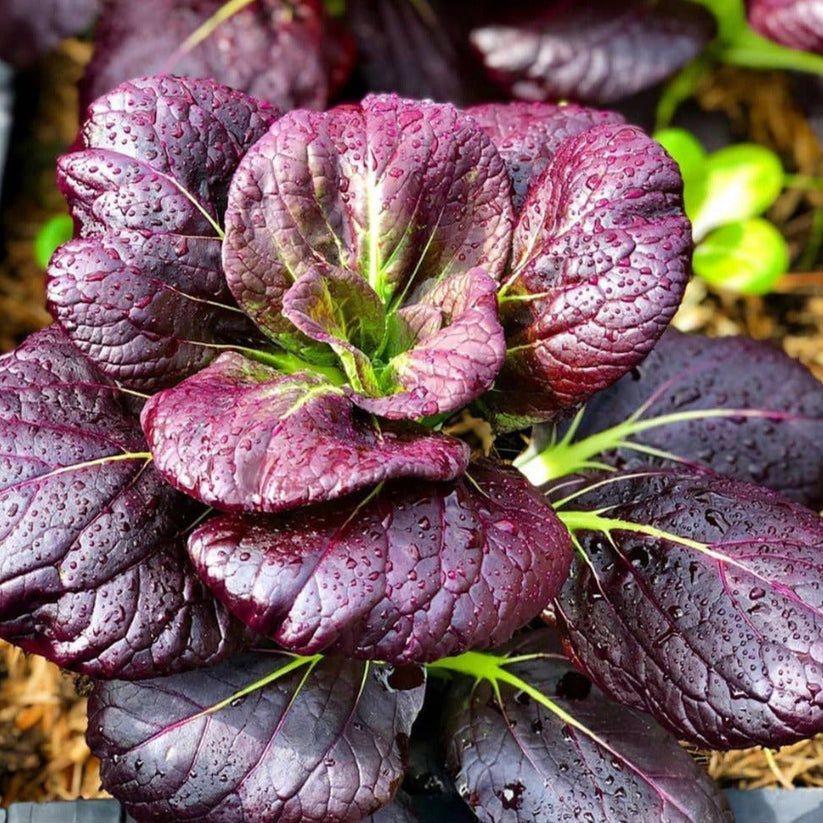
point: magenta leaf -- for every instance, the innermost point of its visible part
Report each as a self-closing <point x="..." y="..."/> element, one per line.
<point x="776" y="440"/>
<point x="797" y="24"/>
<point x="711" y="623"/>
<point x="142" y="292"/>
<point x="449" y="364"/>
<point x="516" y="761"/>
<point x="601" y="256"/>
<point x="241" y="436"/>
<point x="323" y="741"/>
<point x="527" y="135"/>
<point x="290" y="54"/>
<point x="596" y="51"/>
<point x="93" y="574"/>
<point x="29" y="30"/>
<point x="421" y="571"/>
<point x="401" y="192"/>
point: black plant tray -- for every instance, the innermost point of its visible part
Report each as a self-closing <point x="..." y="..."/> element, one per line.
<point x="759" y="806"/>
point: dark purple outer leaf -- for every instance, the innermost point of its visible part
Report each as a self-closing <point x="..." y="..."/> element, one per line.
<point x="419" y="50"/>
<point x="797" y="24"/>
<point x="527" y="135"/>
<point x="452" y="362"/>
<point x="420" y="572"/>
<point x="724" y="653"/>
<point x="518" y="763"/>
<point x="391" y="189"/>
<point x="601" y="257"/>
<point x="30" y="29"/>
<point x="330" y="747"/>
<point x="142" y="293"/>
<point x="92" y="569"/>
<point x="596" y="51"/>
<point x="782" y="449"/>
<point x="290" y="54"/>
<point x="241" y="436"/>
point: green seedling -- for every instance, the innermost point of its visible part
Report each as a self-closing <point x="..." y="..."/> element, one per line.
<point x="54" y="232"/>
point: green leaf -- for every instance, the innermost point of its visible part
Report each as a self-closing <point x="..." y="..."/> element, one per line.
<point x="54" y="232"/>
<point x="685" y="149"/>
<point x="741" y="181"/>
<point x="747" y="257"/>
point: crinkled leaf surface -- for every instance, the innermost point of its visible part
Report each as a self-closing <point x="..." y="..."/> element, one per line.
<point x="797" y="24"/>
<point x="527" y="135"/>
<point x="93" y="574"/>
<point x="398" y="191"/>
<point x="241" y="436"/>
<point x="142" y="293"/>
<point x="323" y="743"/>
<point x="596" y="51"/>
<point x="721" y="645"/>
<point x="290" y="54"/>
<point x="515" y="761"/>
<point x="421" y="571"/>
<point x="419" y="50"/>
<point x="30" y="29"/>
<point x="778" y="444"/>
<point x="600" y="262"/>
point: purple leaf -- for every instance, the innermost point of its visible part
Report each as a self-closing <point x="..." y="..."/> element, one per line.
<point x="601" y="258"/>
<point x="778" y="444"/>
<point x="515" y="761"/>
<point x="720" y="644"/>
<point x="241" y="436"/>
<point x="93" y="574"/>
<point x="398" y="191"/>
<point x="797" y="24"/>
<point x="324" y="742"/>
<point x="446" y="367"/>
<point x="143" y="293"/>
<point x="594" y="51"/>
<point x="30" y="29"/>
<point x="419" y="50"/>
<point x="290" y="54"/>
<point x="419" y="572"/>
<point x="527" y="135"/>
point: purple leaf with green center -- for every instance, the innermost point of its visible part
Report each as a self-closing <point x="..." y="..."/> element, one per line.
<point x="775" y="438"/>
<point x="700" y="602"/>
<point x="418" y="572"/>
<point x="323" y="741"/>
<point x="290" y="54"/>
<point x="401" y="192"/>
<point x="593" y="51"/>
<point x="797" y="24"/>
<point x="143" y="293"/>
<point x="241" y="436"/>
<point x="518" y="762"/>
<point x="30" y="29"/>
<point x="527" y="135"/>
<point x="93" y="573"/>
<point x="600" y="260"/>
<point x="447" y="365"/>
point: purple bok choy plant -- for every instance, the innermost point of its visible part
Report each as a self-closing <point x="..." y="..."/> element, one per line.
<point x="234" y="496"/>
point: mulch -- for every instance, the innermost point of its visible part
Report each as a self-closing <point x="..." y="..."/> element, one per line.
<point x="43" y="754"/>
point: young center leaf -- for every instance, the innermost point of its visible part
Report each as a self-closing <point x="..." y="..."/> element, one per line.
<point x="699" y="599"/>
<point x="416" y="572"/>
<point x="93" y="573"/>
<point x="242" y="436"/>
<point x="142" y="292"/>
<point x="516" y="760"/>
<point x="260" y="737"/>
<point x="762" y="417"/>
<point x="797" y="24"/>
<point x="595" y="51"/>
<point x="290" y="54"/>
<point x="600" y="261"/>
